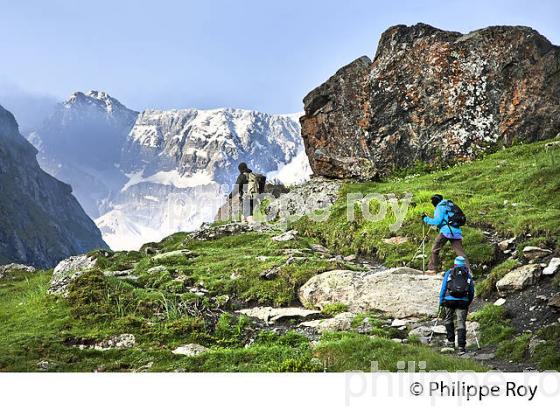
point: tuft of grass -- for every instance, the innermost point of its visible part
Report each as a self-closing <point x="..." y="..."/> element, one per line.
<point x="516" y="349"/>
<point x="546" y="354"/>
<point x="333" y="309"/>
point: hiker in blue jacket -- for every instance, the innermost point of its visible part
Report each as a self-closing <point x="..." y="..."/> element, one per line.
<point x="447" y="232"/>
<point x="455" y="296"/>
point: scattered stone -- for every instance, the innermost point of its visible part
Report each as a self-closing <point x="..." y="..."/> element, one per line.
<point x="518" y="279"/>
<point x="173" y="254"/>
<point x="261" y="258"/>
<point x="15" y="267"/>
<point x="505" y="244"/>
<point x="339" y="323"/>
<point x="542" y="298"/>
<point x="44" y="366"/>
<point x="210" y="231"/>
<point x="319" y="248"/>
<point x="286" y="236"/>
<point x="235" y="275"/>
<point x="447" y="350"/>
<point x="552" y="267"/>
<point x="68" y="270"/>
<point x="270" y="274"/>
<point x="499" y="302"/>
<point x="534" y="252"/>
<point x="398" y="322"/>
<point x="123" y="341"/>
<point x="399" y="292"/>
<point x="157" y="269"/>
<point x="119" y="273"/>
<point x="485" y="356"/>
<point x="272" y="315"/>
<point x="396" y="240"/>
<point x="350" y="258"/>
<point x="554" y="302"/>
<point x="191" y="349"/>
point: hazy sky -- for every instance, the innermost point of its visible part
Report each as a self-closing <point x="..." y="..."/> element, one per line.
<point x="257" y="54"/>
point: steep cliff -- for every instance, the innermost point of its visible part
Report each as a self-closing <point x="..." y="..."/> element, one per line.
<point x="433" y="96"/>
<point x="41" y="222"/>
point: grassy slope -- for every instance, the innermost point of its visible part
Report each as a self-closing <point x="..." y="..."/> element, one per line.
<point x="160" y="311"/>
<point x="514" y="191"/>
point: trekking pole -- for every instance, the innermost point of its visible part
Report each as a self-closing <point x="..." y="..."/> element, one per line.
<point x="434" y="326"/>
<point x="423" y="248"/>
<point x="476" y="339"/>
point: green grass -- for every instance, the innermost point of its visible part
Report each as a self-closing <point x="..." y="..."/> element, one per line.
<point x="495" y="326"/>
<point x="513" y="191"/>
<point x="547" y="355"/>
<point x="342" y="351"/>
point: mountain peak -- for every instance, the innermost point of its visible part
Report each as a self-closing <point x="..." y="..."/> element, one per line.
<point x="97" y="99"/>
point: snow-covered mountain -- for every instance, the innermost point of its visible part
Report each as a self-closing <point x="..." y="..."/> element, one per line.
<point x="159" y="172"/>
<point x="81" y="145"/>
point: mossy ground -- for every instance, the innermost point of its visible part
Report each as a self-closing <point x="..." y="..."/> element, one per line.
<point x="191" y="299"/>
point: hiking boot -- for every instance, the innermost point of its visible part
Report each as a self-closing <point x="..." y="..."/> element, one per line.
<point x="462" y="351"/>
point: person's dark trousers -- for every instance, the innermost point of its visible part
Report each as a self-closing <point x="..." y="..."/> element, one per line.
<point x="456" y="244"/>
<point x="456" y="319"/>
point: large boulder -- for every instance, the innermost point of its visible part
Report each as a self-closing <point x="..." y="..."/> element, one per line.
<point x="519" y="278"/>
<point x="399" y="292"/>
<point x="434" y="96"/>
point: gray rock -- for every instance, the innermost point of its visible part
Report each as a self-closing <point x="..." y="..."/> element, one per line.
<point x="270" y="274"/>
<point x="190" y="350"/>
<point x="286" y="236"/>
<point x="500" y="302"/>
<point x="339" y="323"/>
<point x="319" y="248"/>
<point x="554" y="302"/>
<point x="505" y="244"/>
<point x="534" y="252"/>
<point x="552" y="267"/>
<point x="15" y="267"/>
<point x="485" y="356"/>
<point x="518" y="279"/>
<point x="272" y="315"/>
<point x="122" y="341"/>
<point x="398" y="292"/>
<point x="68" y="270"/>
<point x="162" y="257"/>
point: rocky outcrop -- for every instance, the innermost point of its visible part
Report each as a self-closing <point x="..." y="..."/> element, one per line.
<point x="398" y="292"/>
<point x="433" y="96"/>
<point x="41" y="222"/>
<point x="67" y="271"/>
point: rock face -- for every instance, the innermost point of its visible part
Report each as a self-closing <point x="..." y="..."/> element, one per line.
<point x="399" y="292"/>
<point x="434" y="96"/>
<point x="41" y="222"/>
